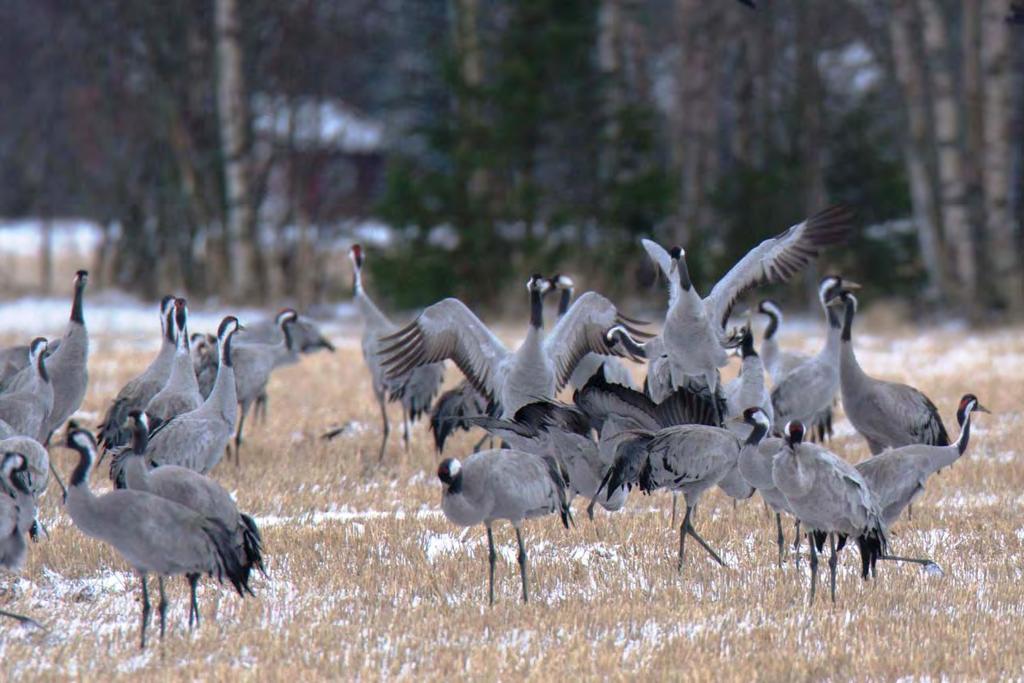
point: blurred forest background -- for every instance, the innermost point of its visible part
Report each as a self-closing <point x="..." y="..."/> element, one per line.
<point x="236" y="149"/>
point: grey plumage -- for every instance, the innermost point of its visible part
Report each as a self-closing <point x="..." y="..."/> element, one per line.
<point x="196" y="492"/>
<point x="807" y="393"/>
<point x="36" y="457"/>
<point x="748" y="389"/>
<point x="306" y="339"/>
<point x="197" y="439"/>
<point x="828" y="495"/>
<point x="688" y="459"/>
<point x="886" y="414"/>
<point x="592" y="363"/>
<point x="536" y="370"/>
<point x="137" y="393"/>
<point x="181" y="393"/>
<point x="694" y="334"/>
<point x="253" y="364"/>
<point x="898" y="475"/>
<point x="68" y="365"/>
<point x="153" y="534"/>
<point x="26" y="407"/>
<point x="777" y="362"/>
<point x="414" y="389"/>
<point x="453" y="407"/>
<point x="755" y="466"/>
<point x="563" y="433"/>
<point x="503" y="484"/>
<point x="17" y="514"/>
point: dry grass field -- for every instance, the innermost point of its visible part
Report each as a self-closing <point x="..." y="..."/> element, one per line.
<point x="368" y="580"/>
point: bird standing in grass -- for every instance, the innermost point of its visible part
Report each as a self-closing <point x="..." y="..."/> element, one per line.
<point x="503" y="484"/>
<point x="153" y="534"/>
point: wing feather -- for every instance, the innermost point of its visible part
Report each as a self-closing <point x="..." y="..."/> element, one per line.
<point x="582" y="330"/>
<point x="779" y="258"/>
<point x="447" y="330"/>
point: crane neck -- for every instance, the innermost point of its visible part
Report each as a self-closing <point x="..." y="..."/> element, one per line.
<point x="965" y="433"/>
<point x="225" y="350"/>
<point x="684" y="274"/>
<point x="77" y="312"/>
<point x="851" y="311"/>
<point x="168" y="326"/>
<point x="536" y="309"/>
<point x="286" y="330"/>
<point x="80" y="476"/>
<point x="773" y="326"/>
<point x="756" y="434"/>
<point x="44" y="374"/>
<point x="563" y="302"/>
<point x="140" y="439"/>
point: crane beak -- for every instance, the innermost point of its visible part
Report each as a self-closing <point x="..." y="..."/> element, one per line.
<point x="849" y="284"/>
<point x="982" y="409"/>
<point x="735" y="419"/>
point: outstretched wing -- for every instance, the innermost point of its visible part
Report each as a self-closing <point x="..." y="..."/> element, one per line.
<point x="664" y="261"/>
<point x="779" y="258"/>
<point x="582" y="330"/>
<point x="447" y="330"/>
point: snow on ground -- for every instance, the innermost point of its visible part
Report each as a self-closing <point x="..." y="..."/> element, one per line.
<point x="133" y="321"/>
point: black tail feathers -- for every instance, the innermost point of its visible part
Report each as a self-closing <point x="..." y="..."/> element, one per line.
<point x="561" y="484"/>
<point x="252" y="544"/>
<point x="227" y="563"/>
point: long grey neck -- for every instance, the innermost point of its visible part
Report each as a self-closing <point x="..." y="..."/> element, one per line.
<point x="224" y="397"/>
<point x="965" y="435"/>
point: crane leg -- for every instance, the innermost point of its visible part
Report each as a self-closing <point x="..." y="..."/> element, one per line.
<point x="923" y="561"/>
<point x="675" y="502"/>
<point x="385" y="428"/>
<point x="405" y="430"/>
<point x="24" y="621"/>
<point x="145" y="609"/>
<point x="833" y="560"/>
<point x="522" y="563"/>
<point x="162" y="607"/>
<point x="814" y="566"/>
<point x="492" y="557"/>
<point x="687" y="528"/>
<point x="780" y="538"/>
<point x="480" y="443"/>
<point x="193" y="608"/>
<point x="796" y="544"/>
<point x="238" y="434"/>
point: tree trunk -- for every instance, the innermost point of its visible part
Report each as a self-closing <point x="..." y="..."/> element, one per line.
<point x="996" y="154"/>
<point x="947" y="108"/>
<point x="232" y="112"/>
<point x="911" y="75"/>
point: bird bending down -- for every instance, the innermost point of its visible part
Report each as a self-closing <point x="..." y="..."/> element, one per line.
<point x="153" y="534"/>
<point x="503" y="484"/>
